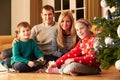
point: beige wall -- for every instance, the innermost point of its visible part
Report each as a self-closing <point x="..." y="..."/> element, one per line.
<point x="20" y="12"/>
<point x="50" y="2"/>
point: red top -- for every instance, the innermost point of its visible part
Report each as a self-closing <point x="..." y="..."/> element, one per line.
<point x="81" y="53"/>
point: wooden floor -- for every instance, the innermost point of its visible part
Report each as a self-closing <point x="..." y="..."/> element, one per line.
<point x="111" y="74"/>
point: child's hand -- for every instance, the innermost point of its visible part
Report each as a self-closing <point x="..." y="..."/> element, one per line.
<point x="40" y="59"/>
<point x="68" y="61"/>
<point x="51" y="65"/>
<point x="31" y="64"/>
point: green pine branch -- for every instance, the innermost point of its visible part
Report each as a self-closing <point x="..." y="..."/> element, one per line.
<point x="107" y="54"/>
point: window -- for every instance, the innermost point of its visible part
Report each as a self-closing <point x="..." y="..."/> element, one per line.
<point x="87" y="9"/>
<point x="76" y="6"/>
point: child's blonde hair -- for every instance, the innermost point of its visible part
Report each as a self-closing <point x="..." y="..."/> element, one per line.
<point x="85" y="22"/>
<point x="21" y="24"/>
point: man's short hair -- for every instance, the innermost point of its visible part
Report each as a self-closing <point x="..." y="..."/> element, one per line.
<point x="48" y="7"/>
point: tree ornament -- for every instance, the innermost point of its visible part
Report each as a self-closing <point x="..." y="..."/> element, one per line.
<point x="106" y="46"/>
<point x="101" y="46"/>
<point x="94" y="18"/>
<point x="118" y="31"/>
<point x="108" y="14"/>
<point x="108" y="40"/>
<point x="103" y="3"/>
<point x="95" y="45"/>
<point x="117" y="65"/>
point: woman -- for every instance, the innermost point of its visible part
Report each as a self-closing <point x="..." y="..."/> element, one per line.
<point x="65" y="38"/>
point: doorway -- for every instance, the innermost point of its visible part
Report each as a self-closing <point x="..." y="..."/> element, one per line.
<point x="5" y="17"/>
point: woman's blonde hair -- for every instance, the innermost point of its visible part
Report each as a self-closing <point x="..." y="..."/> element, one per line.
<point x="21" y="24"/>
<point x="60" y="37"/>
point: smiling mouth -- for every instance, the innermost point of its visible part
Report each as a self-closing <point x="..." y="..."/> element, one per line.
<point x="81" y="34"/>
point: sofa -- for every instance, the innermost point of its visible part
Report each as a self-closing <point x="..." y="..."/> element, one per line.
<point x="6" y="42"/>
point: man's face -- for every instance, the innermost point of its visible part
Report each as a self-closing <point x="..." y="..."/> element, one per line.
<point x="47" y="16"/>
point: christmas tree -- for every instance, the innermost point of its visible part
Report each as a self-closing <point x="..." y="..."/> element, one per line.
<point x="108" y="27"/>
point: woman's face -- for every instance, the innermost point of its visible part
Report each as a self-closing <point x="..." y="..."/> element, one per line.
<point x="66" y="23"/>
<point x="82" y="30"/>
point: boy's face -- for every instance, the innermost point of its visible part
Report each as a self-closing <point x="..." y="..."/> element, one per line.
<point x="47" y="16"/>
<point x="82" y="30"/>
<point x="24" y="33"/>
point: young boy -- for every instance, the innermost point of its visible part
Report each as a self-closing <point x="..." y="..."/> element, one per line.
<point x="25" y="51"/>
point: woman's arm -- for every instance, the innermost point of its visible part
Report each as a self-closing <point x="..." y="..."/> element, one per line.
<point x="55" y="50"/>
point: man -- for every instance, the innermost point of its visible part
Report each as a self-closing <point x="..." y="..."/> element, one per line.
<point x="42" y="33"/>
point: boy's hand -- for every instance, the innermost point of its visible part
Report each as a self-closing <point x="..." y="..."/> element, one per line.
<point x="40" y="59"/>
<point x="31" y="64"/>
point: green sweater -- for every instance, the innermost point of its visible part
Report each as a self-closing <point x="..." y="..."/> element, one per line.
<point x="25" y="51"/>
